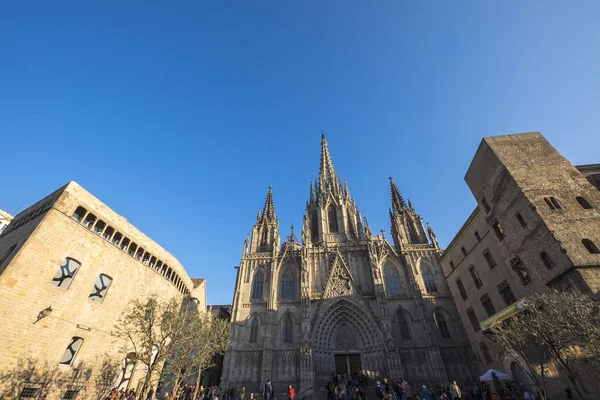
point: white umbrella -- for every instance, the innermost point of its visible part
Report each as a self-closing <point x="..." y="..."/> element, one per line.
<point x="488" y="376"/>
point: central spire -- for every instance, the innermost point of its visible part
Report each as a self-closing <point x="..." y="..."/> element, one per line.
<point x="269" y="209"/>
<point x="327" y="178"/>
<point x="397" y="199"/>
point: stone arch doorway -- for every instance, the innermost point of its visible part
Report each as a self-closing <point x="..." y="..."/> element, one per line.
<point x="347" y="340"/>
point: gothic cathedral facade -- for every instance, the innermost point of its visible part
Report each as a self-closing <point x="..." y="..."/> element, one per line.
<point x="344" y="300"/>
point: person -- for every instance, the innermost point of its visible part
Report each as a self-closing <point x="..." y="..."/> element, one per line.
<point x="268" y="390"/>
<point x="242" y="392"/>
<point x="378" y="390"/>
<point x="330" y="389"/>
<point x="387" y="389"/>
<point x="341" y="390"/>
<point x="455" y="391"/>
<point x="291" y="393"/>
<point x="402" y="389"/>
<point x="251" y="396"/>
<point x="426" y="393"/>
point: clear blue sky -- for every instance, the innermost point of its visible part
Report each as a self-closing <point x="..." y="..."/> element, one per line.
<point x="180" y="114"/>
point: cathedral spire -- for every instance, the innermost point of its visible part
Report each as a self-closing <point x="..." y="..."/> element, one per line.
<point x="269" y="209"/>
<point x="327" y="179"/>
<point x="397" y="199"/>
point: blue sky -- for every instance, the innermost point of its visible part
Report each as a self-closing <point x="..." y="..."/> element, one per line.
<point x="179" y="115"/>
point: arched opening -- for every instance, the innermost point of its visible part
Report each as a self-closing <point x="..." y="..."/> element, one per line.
<point x="391" y="279"/>
<point x="288" y="284"/>
<point x="403" y="323"/>
<point x="440" y="321"/>
<point x="332" y="217"/>
<point x="257" y="285"/>
<point x="428" y="278"/>
<point x="583" y="203"/>
<point x="546" y="260"/>
<point x="254" y="330"/>
<point x="314" y="224"/>
<point x="590" y="246"/>
<point x="288" y="328"/>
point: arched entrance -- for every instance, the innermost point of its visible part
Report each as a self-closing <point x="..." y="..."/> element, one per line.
<point x="346" y="340"/>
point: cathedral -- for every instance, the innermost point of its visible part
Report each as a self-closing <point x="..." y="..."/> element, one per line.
<point x="342" y="300"/>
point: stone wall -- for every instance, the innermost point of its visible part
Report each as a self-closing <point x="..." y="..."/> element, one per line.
<point x="26" y="288"/>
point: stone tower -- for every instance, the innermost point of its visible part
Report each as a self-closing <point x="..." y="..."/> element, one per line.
<point x="343" y="301"/>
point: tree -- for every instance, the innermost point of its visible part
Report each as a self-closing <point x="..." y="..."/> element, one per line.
<point x="203" y="338"/>
<point x="149" y="327"/>
<point x="562" y="327"/>
<point x="106" y="377"/>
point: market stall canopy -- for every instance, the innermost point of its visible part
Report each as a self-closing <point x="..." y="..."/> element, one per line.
<point x="488" y="376"/>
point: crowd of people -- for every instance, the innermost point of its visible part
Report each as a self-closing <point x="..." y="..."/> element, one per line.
<point x="340" y="387"/>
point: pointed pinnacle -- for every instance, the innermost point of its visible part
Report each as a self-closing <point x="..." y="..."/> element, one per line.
<point x="327" y="176"/>
<point x="397" y="199"/>
<point x="258" y="216"/>
<point x="269" y="209"/>
<point x="346" y="190"/>
<point x="312" y="193"/>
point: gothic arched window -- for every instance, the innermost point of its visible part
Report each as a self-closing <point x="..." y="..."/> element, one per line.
<point x="392" y="280"/>
<point x="257" y="285"/>
<point x="404" y="326"/>
<point x="288" y="329"/>
<point x="332" y="217"/>
<point x="440" y="321"/>
<point x="428" y="279"/>
<point x="288" y="284"/>
<point x="314" y="224"/>
<point x="254" y="330"/>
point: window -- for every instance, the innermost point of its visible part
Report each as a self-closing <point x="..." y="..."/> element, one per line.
<point x="440" y="321"/>
<point x="452" y="265"/>
<point x="78" y="215"/>
<point x="29" y="392"/>
<point x="521" y="270"/>
<point x="546" y="260"/>
<point x="506" y="293"/>
<point x="314" y="224"/>
<point x="477" y="236"/>
<point x="583" y="203"/>
<point x="392" y="280"/>
<point x="65" y="274"/>
<point x="254" y="331"/>
<point x="463" y="251"/>
<point x="288" y="284"/>
<point x="89" y="220"/>
<point x="553" y="203"/>
<point x="485" y="351"/>
<point x="71" y="394"/>
<point x="461" y="289"/>
<point x="108" y="232"/>
<point x="473" y="319"/>
<point x="71" y="351"/>
<point x="488" y="306"/>
<point x="485" y="205"/>
<point x="498" y="230"/>
<point x="139" y="254"/>
<point x="332" y="217"/>
<point x="99" y="227"/>
<point x="132" y="249"/>
<point x="475" y="276"/>
<point x="590" y="246"/>
<point x="428" y="279"/>
<point x="125" y="244"/>
<point x="257" y="285"/>
<point x="117" y="239"/>
<point x="288" y="329"/>
<point x="521" y="221"/>
<point x="404" y="326"/>
<point x="489" y="258"/>
<point x="100" y="288"/>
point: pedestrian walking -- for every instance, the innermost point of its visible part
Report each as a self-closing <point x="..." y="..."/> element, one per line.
<point x="291" y="393"/>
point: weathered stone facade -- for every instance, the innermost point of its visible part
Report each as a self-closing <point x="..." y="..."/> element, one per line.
<point x="518" y="181"/>
<point x="51" y="290"/>
<point x="344" y="300"/>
